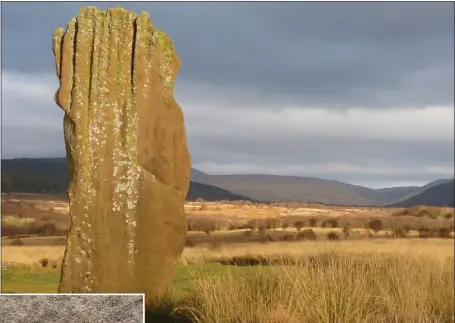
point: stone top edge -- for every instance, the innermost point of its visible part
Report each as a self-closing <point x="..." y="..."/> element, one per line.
<point x="93" y="13"/>
<point x="86" y="11"/>
<point x="143" y="17"/>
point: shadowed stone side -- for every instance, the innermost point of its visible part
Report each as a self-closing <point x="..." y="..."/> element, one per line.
<point x="128" y="161"/>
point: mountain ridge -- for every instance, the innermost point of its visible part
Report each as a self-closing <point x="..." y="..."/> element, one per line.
<point x="50" y="174"/>
<point x="358" y="195"/>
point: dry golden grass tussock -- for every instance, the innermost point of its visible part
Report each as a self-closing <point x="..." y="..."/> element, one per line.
<point x="438" y="248"/>
<point x="362" y="287"/>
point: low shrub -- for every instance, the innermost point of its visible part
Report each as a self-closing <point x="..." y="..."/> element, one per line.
<point x="427" y="233"/>
<point x="333" y="236"/>
<point x="43" y="262"/>
<point x="307" y="234"/>
<point x="299" y="225"/>
<point x="249" y="233"/>
<point x="330" y="223"/>
<point x="252" y="225"/>
<point x="53" y="264"/>
<point x="326" y="224"/>
<point x="335" y="223"/>
<point x="190" y="243"/>
<point x="313" y="222"/>
<point x="206" y="225"/>
<point x="376" y="225"/>
<point x="272" y="224"/>
<point x="444" y="233"/>
<point x="262" y="230"/>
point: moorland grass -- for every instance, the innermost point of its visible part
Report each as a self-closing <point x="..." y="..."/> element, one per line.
<point x="330" y="287"/>
<point x="401" y="280"/>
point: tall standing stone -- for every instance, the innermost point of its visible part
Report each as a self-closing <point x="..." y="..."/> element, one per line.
<point x="127" y="155"/>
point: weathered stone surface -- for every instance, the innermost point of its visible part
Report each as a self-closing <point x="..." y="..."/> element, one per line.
<point x="127" y="156"/>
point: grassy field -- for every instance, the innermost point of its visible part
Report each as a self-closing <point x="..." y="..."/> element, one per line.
<point x="382" y="280"/>
<point x="225" y="245"/>
<point x="238" y="266"/>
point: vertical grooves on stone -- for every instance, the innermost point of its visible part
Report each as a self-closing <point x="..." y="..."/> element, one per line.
<point x="96" y="104"/>
<point x="133" y="52"/>
<point x="80" y="104"/>
<point x="120" y="138"/>
<point x="92" y="70"/>
<point x="133" y="108"/>
<point x="126" y="163"/>
<point x="73" y="58"/>
<point x="113" y="90"/>
<point x="90" y="224"/>
<point x="130" y="147"/>
<point x="117" y="100"/>
<point x="103" y="105"/>
<point x="102" y="89"/>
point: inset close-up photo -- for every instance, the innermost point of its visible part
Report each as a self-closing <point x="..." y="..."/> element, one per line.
<point x="72" y="308"/>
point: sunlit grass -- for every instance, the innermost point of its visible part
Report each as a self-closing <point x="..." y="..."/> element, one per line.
<point x="379" y="280"/>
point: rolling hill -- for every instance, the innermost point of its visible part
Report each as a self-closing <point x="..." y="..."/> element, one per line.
<point x="49" y="175"/>
<point x="392" y="195"/>
<point x="294" y="188"/>
<point x="211" y="193"/>
<point x="433" y="195"/>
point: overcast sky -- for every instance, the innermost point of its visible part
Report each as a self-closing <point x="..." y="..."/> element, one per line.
<point x="356" y="92"/>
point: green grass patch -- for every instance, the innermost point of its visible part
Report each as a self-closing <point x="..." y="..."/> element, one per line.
<point x="45" y="280"/>
<point x="22" y="280"/>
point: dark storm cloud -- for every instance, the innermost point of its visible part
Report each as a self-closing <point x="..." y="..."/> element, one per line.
<point x="321" y="53"/>
<point x="357" y="92"/>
